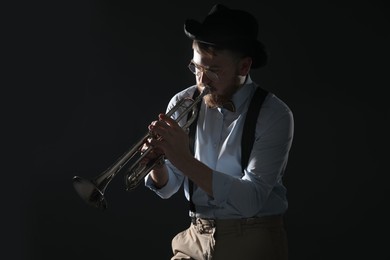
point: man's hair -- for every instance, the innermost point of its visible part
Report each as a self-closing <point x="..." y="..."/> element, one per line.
<point x="211" y="50"/>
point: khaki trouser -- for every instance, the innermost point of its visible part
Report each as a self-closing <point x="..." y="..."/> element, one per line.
<point x="247" y="239"/>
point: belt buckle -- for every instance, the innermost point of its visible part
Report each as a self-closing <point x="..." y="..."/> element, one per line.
<point x="203" y="225"/>
<point x="193" y="220"/>
<point x="206" y="225"/>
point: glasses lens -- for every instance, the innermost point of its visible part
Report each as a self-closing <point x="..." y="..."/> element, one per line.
<point x="192" y="67"/>
<point x="211" y="75"/>
<point x="197" y="70"/>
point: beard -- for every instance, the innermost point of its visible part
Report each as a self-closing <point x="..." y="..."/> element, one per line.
<point x="217" y="100"/>
<point x="214" y="100"/>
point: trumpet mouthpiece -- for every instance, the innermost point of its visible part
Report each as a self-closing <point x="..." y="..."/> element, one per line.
<point x="206" y="89"/>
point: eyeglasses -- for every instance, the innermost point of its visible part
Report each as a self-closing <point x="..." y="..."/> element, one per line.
<point x="197" y="69"/>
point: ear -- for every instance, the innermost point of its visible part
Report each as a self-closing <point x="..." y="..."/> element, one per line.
<point x="245" y="65"/>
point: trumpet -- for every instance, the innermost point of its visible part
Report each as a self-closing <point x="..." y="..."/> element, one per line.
<point x="92" y="191"/>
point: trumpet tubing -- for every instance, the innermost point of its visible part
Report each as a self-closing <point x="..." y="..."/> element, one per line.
<point x="92" y="191"/>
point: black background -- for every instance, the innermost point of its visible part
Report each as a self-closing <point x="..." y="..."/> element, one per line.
<point x="83" y="79"/>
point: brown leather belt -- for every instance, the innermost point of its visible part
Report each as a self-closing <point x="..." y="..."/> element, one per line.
<point x="274" y="219"/>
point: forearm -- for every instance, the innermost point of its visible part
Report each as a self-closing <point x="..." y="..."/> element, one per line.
<point x="159" y="176"/>
<point x="198" y="172"/>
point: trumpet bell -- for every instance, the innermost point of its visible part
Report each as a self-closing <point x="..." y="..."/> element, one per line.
<point x="89" y="192"/>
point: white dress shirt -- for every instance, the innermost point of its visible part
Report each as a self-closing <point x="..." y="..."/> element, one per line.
<point x="259" y="191"/>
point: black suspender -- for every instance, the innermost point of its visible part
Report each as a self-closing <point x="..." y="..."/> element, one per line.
<point x="249" y="131"/>
<point x="248" y="134"/>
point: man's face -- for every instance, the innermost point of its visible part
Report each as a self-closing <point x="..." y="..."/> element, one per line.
<point x="226" y="67"/>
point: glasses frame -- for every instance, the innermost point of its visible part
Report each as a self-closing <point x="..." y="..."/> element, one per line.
<point x="197" y="69"/>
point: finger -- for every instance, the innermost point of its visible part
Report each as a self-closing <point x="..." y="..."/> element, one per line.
<point x="168" y="120"/>
<point x="159" y="128"/>
<point x="156" y="144"/>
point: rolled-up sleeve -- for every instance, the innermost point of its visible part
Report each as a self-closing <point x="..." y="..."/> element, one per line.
<point x="174" y="182"/>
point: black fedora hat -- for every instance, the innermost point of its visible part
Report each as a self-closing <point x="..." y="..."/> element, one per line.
<point x="229" y="28"/>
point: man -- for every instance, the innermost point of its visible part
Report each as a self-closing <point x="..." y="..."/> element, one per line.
<point x="236" y="208"/>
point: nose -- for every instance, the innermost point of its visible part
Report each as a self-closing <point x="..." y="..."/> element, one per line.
<point x="202" y="77"/>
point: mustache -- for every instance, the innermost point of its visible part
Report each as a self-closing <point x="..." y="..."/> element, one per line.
<point x="202" y="85"/>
